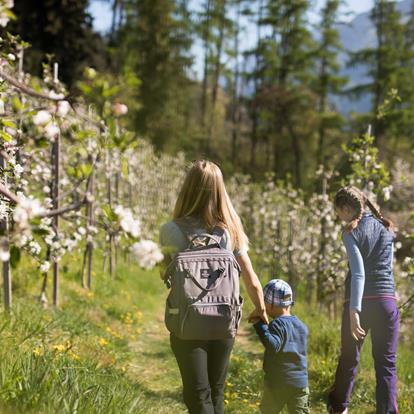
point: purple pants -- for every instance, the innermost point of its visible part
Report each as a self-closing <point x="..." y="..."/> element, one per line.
<point x="381" y="317"/>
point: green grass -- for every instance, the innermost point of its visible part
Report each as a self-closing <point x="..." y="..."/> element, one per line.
<point x="108" y="352"/>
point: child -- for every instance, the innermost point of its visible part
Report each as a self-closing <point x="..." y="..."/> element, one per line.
<point x="285" y="342"/>
<point x="370" y="302"/>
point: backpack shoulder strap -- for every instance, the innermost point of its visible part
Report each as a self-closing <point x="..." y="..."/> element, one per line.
<point x="183" y="227"/>
<point x="218" y="232"/>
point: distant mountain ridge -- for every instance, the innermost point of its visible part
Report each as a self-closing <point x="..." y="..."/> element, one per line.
<point x="356" y="35"/>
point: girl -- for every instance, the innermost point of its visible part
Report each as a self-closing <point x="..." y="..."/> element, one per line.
<point x="202" y="204"/>
<point x="370" y="302"/>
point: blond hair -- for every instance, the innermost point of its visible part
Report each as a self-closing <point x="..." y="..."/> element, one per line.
<point x="203" y="195"/>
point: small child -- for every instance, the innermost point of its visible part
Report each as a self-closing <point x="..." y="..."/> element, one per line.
<point x="284" y="364"/>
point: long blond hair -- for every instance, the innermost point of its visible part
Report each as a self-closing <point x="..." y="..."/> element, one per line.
<point x="203" y="195"/>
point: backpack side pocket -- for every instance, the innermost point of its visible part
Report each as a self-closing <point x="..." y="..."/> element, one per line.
<point x="172" y="317"/>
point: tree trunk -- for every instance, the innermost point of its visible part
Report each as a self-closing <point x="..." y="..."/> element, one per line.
<point x="206" y="37"/>
<point x="217" y="69"/>
<point x="235" y="99"/>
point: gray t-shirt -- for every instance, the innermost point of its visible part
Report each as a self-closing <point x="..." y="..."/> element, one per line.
<point x="171" y="236"/>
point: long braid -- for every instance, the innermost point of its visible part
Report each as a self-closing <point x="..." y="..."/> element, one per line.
<point x="354" y="198"/>
<point x="377" y="213"/>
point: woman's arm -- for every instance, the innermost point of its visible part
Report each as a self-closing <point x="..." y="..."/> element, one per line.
<point x="356" y="264"/>
<point x="253" y="287"/>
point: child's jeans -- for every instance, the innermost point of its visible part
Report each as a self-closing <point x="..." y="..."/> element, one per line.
<point x="381" y="317"/>
<point x="276" y="398"/>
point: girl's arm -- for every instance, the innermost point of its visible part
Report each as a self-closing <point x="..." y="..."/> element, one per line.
<point x="356" y="264"/>
<point x="253" y="287"/>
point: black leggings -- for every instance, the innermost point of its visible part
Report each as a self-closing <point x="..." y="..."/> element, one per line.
<point x="203" y="367"/>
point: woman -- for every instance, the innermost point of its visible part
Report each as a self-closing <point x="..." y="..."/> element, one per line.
<point x="370" y="301"/>
<point x="203" y="203"/>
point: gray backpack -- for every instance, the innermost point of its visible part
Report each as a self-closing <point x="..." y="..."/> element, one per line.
<point x="204" y="302"/>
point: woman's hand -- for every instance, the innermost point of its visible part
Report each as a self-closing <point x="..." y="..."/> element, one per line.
<point x="253" y="287"/>
<point x="258" y="315"/>
<point x="357" y="332"/>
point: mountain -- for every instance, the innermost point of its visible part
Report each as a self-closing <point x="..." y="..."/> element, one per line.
<point x="356" y="35"/>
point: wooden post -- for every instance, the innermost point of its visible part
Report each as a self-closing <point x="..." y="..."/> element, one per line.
<point x="56" y="176"/>
<point x="4" y="228"/>
<point x="90" y="223"/>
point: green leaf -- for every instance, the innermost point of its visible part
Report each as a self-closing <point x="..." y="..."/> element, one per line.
<point x="8" y="123"/>
<point x="109" y="213"/>
<point x="15" y="256"/>
<point x="17" y="105"/>
<point x="5" y="136"/>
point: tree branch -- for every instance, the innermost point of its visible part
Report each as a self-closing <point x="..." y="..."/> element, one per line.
<point x="28" y="91"/>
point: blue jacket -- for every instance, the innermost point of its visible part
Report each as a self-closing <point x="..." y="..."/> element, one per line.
<point x="375" y="245"/>
<point x="285" y="341"/>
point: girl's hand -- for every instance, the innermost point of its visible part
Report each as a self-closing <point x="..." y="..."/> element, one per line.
<point x="357" y="332"/>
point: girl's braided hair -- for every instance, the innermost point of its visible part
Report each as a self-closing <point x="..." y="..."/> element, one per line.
<point x="357" y="201"/>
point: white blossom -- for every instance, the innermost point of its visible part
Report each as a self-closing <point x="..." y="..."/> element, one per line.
<point x="63" y="108"/>
<point x="44" y="267"/>
<point x="26" y="209"/>
<point x="42" y="118"/>
<point x="54" y="95"/>
<point x="52" y="131"/>
<point x="127" y="222"/>
<point x="34" y="248"/>
<point x="3" y="210"/>
<point x="120" y="109"/>
<point x="146" y="253"/>
<point x="18" y="169"/>
<point x="2" y="109"/>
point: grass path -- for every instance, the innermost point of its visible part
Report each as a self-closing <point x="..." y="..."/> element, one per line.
<point x="108" y="351"/>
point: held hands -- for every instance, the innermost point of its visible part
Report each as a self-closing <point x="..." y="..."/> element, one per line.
<point x="257" y="315"/>
<point x="357" y="332"/>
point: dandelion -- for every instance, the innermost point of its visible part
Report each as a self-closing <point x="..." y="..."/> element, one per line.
<point x="59" y="348"/>
<point x="38" y="351"/>
<point x="103" y="342"/>
<point x="73" y="356"/>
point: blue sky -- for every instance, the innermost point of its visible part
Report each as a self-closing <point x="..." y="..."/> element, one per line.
<point x="101" y="11"/>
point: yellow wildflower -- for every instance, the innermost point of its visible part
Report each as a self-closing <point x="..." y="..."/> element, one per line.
<point x="38" y="351"/>
<point x="59" y="348"/>
<point x="103" y="342"/>
<point x="74" y="356"/>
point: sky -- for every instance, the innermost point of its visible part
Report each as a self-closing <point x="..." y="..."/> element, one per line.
<point x="101" y="11"/>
